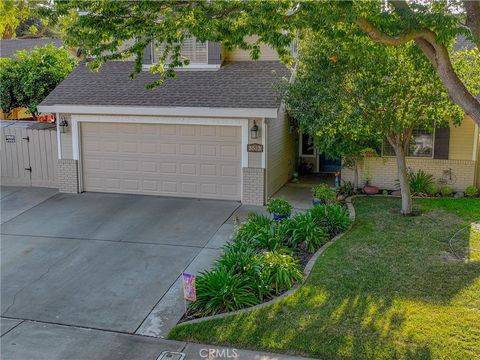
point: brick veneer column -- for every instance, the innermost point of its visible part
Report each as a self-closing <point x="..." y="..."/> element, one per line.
<point x="67" y="171"/>
<point x="253" y="186"/>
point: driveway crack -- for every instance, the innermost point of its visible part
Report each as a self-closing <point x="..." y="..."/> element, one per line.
<point x="38" y="278"/>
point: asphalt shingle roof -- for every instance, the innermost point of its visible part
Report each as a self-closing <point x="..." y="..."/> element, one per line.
<point x="247" y="84"/>
<point x="8" y="48"/>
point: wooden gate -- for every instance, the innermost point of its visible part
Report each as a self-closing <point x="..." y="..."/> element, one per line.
<point x="28" y="154"/>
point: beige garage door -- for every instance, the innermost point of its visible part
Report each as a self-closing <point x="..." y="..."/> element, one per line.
<point x="160" y="159"/>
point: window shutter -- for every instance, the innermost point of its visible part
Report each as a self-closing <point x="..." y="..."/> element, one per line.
<point x="147" y="54"/>
<point x="214" y="53"/>
<point x="442" y="143"/>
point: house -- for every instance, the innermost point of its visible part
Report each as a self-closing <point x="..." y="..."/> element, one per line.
<point x="218" y="130"/>
<point x="8" y="48"/>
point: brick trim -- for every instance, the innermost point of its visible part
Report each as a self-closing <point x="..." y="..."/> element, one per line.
<point x="253" y="186"/>
<point x="67" y="170"/>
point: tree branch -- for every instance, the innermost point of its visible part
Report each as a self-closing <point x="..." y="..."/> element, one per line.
<point x="473" y="19"/>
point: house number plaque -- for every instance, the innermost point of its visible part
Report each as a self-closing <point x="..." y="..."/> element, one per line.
<point x="10" y="139"/>
<point x="254" y="147"/>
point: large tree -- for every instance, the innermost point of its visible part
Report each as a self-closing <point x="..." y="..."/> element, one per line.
<point x="28" y="77"/>
<point x="350" y="89"/>
<point x="431" y="24"/>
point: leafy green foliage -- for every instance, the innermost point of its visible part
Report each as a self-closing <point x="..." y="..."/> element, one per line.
<point x="280" y="271"/>
<point x="471" y="191"/>
<point x="332" y="218"/>
<point x="249" y="229"/>
<point x="306" y="232"/>
<point x="421" y="183"/>
<point x="346" y="189"/>
<point x="324" y="193"/>
<point x="279" y="207"/>
<point x="219" y="290"/>
<point x="29" y="77"/>
<point x="432" y="189"/>
<point x="446" y="191"/>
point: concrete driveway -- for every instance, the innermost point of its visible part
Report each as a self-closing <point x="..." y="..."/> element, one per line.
<point x="102" y="261"/>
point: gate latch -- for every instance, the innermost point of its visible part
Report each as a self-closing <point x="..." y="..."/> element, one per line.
<point x="29" y="169"/>
<point x="27" y="138"/>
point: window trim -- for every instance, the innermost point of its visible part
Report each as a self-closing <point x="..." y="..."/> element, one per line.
<point x="432" y="156"/>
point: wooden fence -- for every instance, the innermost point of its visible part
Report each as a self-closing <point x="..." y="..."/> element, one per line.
<point x="28" y="154"/>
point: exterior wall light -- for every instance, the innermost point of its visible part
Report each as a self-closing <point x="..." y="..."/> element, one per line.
<point x="63" y="125"/>
<point x="254" y="130"/>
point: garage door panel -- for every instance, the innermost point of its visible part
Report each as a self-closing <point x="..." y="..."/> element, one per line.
<point x="159" y="159"/>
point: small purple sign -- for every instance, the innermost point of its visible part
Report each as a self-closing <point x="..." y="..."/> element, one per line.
<point x="189" y="291"/>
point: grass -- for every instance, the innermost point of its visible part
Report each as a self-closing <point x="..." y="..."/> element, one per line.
<point x="391" y="288"/>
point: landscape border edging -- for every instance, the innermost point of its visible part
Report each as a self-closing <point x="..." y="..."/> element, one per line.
<point x="306" y="271"/>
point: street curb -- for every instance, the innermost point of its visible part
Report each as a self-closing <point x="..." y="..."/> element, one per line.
<point x="306" y="271"/>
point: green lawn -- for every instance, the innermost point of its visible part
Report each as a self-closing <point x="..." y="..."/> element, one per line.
<point x="390" y="288"/>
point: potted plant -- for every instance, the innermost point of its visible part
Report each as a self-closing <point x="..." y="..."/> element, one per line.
<point x="322" y="194"/>
<point x="279" y="208"/>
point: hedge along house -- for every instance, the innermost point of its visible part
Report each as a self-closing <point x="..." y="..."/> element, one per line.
<point x="217" y="130"/>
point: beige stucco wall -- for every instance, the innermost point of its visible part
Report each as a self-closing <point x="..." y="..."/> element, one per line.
<point x="267" y="53"/>
<point x="280" y="152"/>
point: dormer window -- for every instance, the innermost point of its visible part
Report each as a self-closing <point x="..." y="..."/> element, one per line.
<point x="193" y="50"/>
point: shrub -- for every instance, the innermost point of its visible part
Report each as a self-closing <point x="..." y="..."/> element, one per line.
<point x="446" y="191"/>
<point x="432" y="190"/>
<point x="220" y="291"/>
<point x="324" y="193"/>
<point x="333" y="219"/>
<point x="304" y="229"/>
<point x="346" y="189"/>
<point x="471" y="191"/>
<point x="238" y="258"/>
<point x="254" y="224"/>
<point x="279" y="207"/>
<point x="420" y="182"/>
<point x="273" y="237"/>
<point x="279" y="271"/>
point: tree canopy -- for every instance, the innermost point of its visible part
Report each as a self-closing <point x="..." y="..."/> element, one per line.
<point x="351" y="92"/>
<point x="29" y="77"/>
<point x="431" y="24"/>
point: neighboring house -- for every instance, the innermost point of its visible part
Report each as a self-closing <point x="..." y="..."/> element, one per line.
<point x="190" y="137"/>
<point x="8" y="48"/>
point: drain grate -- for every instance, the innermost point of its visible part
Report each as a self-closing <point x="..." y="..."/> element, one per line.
<point x="171" y="355"/>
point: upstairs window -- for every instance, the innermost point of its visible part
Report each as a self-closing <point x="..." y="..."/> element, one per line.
<point x="421" y="144"/>
<point x="193" y="50"/>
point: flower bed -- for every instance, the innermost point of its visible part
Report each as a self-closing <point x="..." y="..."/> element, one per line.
<point x="265" y="258"/>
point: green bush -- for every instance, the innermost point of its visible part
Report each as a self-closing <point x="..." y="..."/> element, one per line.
<point x="279" y="271"/>
<point x="420" y="182"/>
<point x="238" y="258"/>
<point x="220" y="291"/>
<point x="273" y="237"/>
<point x="346" y="189"/>
<point x="324" y="193"/>
<point x="254" y="224"/>
<point x="433" y="190"/>
<point x="333" y="219"/>
<point x="279" y="207"/>
<point x="304" y="230"/>
<point x="446" y="191"/>
<point x="471" y="191"/>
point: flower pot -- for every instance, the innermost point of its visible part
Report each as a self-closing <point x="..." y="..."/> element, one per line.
<point x="280" y="217"/>
<point x="371" y="190"/>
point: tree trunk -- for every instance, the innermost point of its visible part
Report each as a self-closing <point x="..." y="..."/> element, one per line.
<point x="407" y="205"/>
